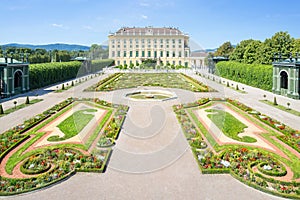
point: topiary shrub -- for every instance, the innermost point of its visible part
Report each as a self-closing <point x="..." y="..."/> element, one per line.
<point x="1" y="110"/>
<point x="275" y="102"/>
<point x="27" y="100"/>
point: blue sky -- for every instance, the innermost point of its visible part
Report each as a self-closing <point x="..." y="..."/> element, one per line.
<point x="209" y="23"/>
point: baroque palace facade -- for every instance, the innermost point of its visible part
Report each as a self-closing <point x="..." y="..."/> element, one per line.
<point x="132" y="46"/>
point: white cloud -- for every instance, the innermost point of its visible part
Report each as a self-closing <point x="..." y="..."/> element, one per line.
<point x="57" y="25"/>
<point x="61" y="26"/>
<point x="144" y="17"/>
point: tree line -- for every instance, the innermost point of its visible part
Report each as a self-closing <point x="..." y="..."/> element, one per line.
<point x="260" y="52"/>
<point x="33" y="56"/>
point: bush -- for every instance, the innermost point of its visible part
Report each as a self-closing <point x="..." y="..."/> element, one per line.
<point x="256" y="75"/>
<point x="98" y="65"/>
<point x="27" y="100"/>
<point x="1" y="110"/>
<point x="49" y="73"/>
<point x="275" y="102"/>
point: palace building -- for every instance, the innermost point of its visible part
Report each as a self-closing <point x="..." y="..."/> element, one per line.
<point x="132" y="46"/>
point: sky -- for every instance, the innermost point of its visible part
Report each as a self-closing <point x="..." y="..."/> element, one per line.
<point x="208" y="23"/>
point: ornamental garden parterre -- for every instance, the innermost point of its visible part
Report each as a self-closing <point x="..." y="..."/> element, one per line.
<point x="35" y="155"/>
<point x="77" y="135"/>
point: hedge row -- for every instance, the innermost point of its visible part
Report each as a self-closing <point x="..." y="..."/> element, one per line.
<point x="98" y="65"/>
<point x="49" y="73"/>
<point x="256" y="75"/>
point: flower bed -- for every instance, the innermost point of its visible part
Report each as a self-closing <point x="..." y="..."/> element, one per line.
<point x="239" y="162"/>
<point x="272" y="168"/>
<point x="66" y="161"/>
<point x="113" y="128"/>
<point x="105" y="142"/>
<point x="101" y="84"/>
<point x="291" y="137"/>
<point x="9" y="138"/>
<point x="132" y="80"/>
<point x="36" y="164"/>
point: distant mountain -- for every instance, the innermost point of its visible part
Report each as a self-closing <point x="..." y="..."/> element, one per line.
<point x="58" y="46"/>
<point x="206" y="50"/>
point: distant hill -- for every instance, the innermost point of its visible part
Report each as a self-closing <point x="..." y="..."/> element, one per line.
<point x="205" y="50"/>
<point x="58" y="46"/>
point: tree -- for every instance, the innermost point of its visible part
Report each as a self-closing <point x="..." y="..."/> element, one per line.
<point x="296" y="46"/>
<point x="281" y="42"/>
<point x="224" y="50"/>
<point x="238" y="52"/>
<point x="251" y="52"/>
<point x="97" y="52"/>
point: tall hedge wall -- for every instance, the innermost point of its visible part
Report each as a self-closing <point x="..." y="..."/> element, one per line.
<point x="256" y="75"/>
<point x="98" y="65"/>
<point x="44" y="74"/>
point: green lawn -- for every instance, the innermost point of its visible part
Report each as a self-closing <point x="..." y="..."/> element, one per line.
<point x="281" y="107"/>
<point x="74" y="124"/>
<point x="18" y="107"/>
<point x="168" y="80"/>
<point x="229" y="125"/>
<point x="143" y="96"/>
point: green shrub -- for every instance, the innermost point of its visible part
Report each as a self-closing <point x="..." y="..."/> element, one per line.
<point x="1" y="110"/>
<point x="275" y="101"/>
<point x="49" y="73"/>
<point x="27" y="100"/>
<point x="256" y="75"/>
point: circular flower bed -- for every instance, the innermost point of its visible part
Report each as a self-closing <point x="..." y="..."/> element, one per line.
<point x="36" y="164"/>
<point x="66" y="160"/>
<point x="272" y="168"/>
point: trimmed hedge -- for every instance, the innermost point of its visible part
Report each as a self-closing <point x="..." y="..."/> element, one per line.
<point x="49" y="73"/>
<point x="256" y="75"/>
<point x="98" y="65"/>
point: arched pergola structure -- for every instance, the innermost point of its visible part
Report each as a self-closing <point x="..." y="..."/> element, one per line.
<point x="286" y="77"/>
<point x="14" y="77"/>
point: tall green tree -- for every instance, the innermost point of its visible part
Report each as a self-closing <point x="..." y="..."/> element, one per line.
<point x="251" y="53"/>
<point x="281" y="43"/>
<point x="296" y="47"/>
<point x="224" y="50"/>
<point x="238" y="52"/>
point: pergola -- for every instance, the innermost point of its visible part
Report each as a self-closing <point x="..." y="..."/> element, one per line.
<point x="286" y="76"/>
<point x="14" y="77"/>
